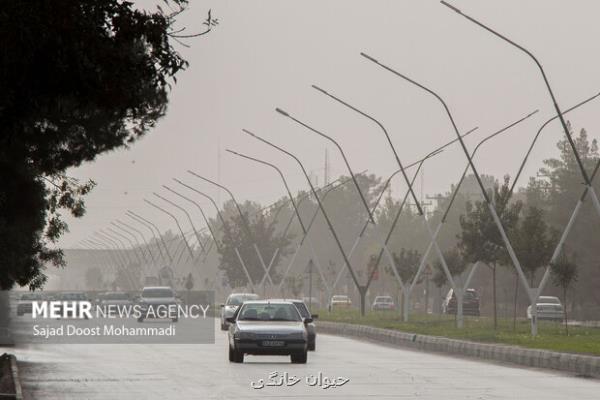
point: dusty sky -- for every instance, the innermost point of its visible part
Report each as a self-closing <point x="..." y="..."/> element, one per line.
<point x="267" y="53"/>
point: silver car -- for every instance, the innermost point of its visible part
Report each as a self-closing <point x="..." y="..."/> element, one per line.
<point x="268" y="327"/>
<point x="157" y="300"/>
<point x="548" y="307"/>
<point x="231" y="304"/>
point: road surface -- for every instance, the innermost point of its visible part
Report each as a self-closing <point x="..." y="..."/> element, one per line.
<point x="203" y="372"/>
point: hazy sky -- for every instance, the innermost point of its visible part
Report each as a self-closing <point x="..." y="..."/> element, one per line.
<point x="267" y="53"/>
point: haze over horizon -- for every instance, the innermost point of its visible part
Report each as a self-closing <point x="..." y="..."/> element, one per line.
<point x="267" y="54"/>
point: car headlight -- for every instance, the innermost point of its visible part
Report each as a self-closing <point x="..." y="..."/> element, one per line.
<point x="296" y="335"/>
<point x="244" y="336"/>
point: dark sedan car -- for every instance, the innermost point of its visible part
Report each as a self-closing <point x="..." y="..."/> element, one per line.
<point x="470" y="303"/>
<point x="311" y="329"/>
<point x="267" y="327"/>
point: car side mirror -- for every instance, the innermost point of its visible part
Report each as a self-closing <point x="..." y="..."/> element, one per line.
<point x="231" y="320"/>
<point x="308" y="320"/>
<point x="315" y="316"/>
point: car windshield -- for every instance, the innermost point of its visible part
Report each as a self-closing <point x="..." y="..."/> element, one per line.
<point x="236" y="300"/>
<point x="157" y="293"/>
<point x="269" y="312"/>
<point x="116" y="296"/>
<point x="302" y="309"/>
<point x="339" y="298"/>
<point x="548" y="300"/>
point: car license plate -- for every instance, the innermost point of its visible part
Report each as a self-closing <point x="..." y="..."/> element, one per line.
<point x="272" y="343"/>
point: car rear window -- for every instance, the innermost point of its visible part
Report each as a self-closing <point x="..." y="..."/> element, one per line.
<point x="239" y="299"/>
<point x="549" y="300"/>
<point x="157" y="293"/>
<point x="269" y="312"/>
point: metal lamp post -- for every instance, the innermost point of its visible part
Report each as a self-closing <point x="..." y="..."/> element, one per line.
<point x="339" y="147"/>
<point x="225" y="229"/>
<point x="174" y="218"/>
<point x="245" y="224"/>
<point x="155" y="231"/>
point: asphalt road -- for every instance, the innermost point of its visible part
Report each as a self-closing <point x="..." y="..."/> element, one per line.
<point x="80" y="371"/>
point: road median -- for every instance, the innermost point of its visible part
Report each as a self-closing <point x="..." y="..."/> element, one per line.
<point x="578" y="364"/>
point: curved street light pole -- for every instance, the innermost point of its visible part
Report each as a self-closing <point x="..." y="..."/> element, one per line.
<point x="122" y="246"/>
<point x="128" y="228"/>
<point x="537" y="135"/>
<point x="559" y="113"/>
<point x="134" y="250"/>
<point x="484" y="192"/>
<point x="195" y="203"/>
<point x="155" y="231"/>
<point x="190" y="252"/>
<point x="339" y="147"/>
<point x="225" y="229"/>
<point x="111" y="244"/>
<point x="433" y="235"/>
<point x="99" y="261"/>
<point x="295" y="207"/>
<point x="245" y="223"/>
<point x="378" y="200"/>
<point x="126" y="258"/>
<point x="189" y="217"/>
<point x="361" y="289"/>
<point x="112" y="258"/>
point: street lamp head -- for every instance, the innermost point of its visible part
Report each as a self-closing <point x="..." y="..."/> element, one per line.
<point x="233" y="152"/>
<point x="280" y="111"/>
<point x="320" y="89"/>
<point x="450" y="6"/>
<point x="368" y="57"/>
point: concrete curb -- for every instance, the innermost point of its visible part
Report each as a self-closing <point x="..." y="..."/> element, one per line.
<point x="572" y="363"/>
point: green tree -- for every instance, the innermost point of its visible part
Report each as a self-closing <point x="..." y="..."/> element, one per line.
<point x="260" y="231"/>
<point x="533" y="242"/>
<point x="407" y="264"/>
<point x="564" y="275"/>
<point x="557" y="189"/>
<point x="456" y="266"/>
<point x="79" y="78"/>
<point x="480" y="239"/>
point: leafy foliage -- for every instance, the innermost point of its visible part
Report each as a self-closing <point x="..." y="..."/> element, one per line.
<point x="456" y="266"/>
<point x="79" y="78"/>
<point x="259" y="231"/>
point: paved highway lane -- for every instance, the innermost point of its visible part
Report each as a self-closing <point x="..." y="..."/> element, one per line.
<point x="203" y="372"/>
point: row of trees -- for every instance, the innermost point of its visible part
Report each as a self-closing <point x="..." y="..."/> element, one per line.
<point x="533" y="219"/>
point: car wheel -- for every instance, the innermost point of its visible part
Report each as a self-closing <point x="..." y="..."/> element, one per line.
<point x="231" y="354"/>
<point x="312" y="346"/>
<point x="299" y="358"/>
<point x="238" y="357"/>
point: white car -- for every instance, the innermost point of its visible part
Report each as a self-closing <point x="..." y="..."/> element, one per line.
<point x="548" y="307"/>
<point x="156" y="302"/>
<point x="339" y="301"/>
<point x="231" y="304"/>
